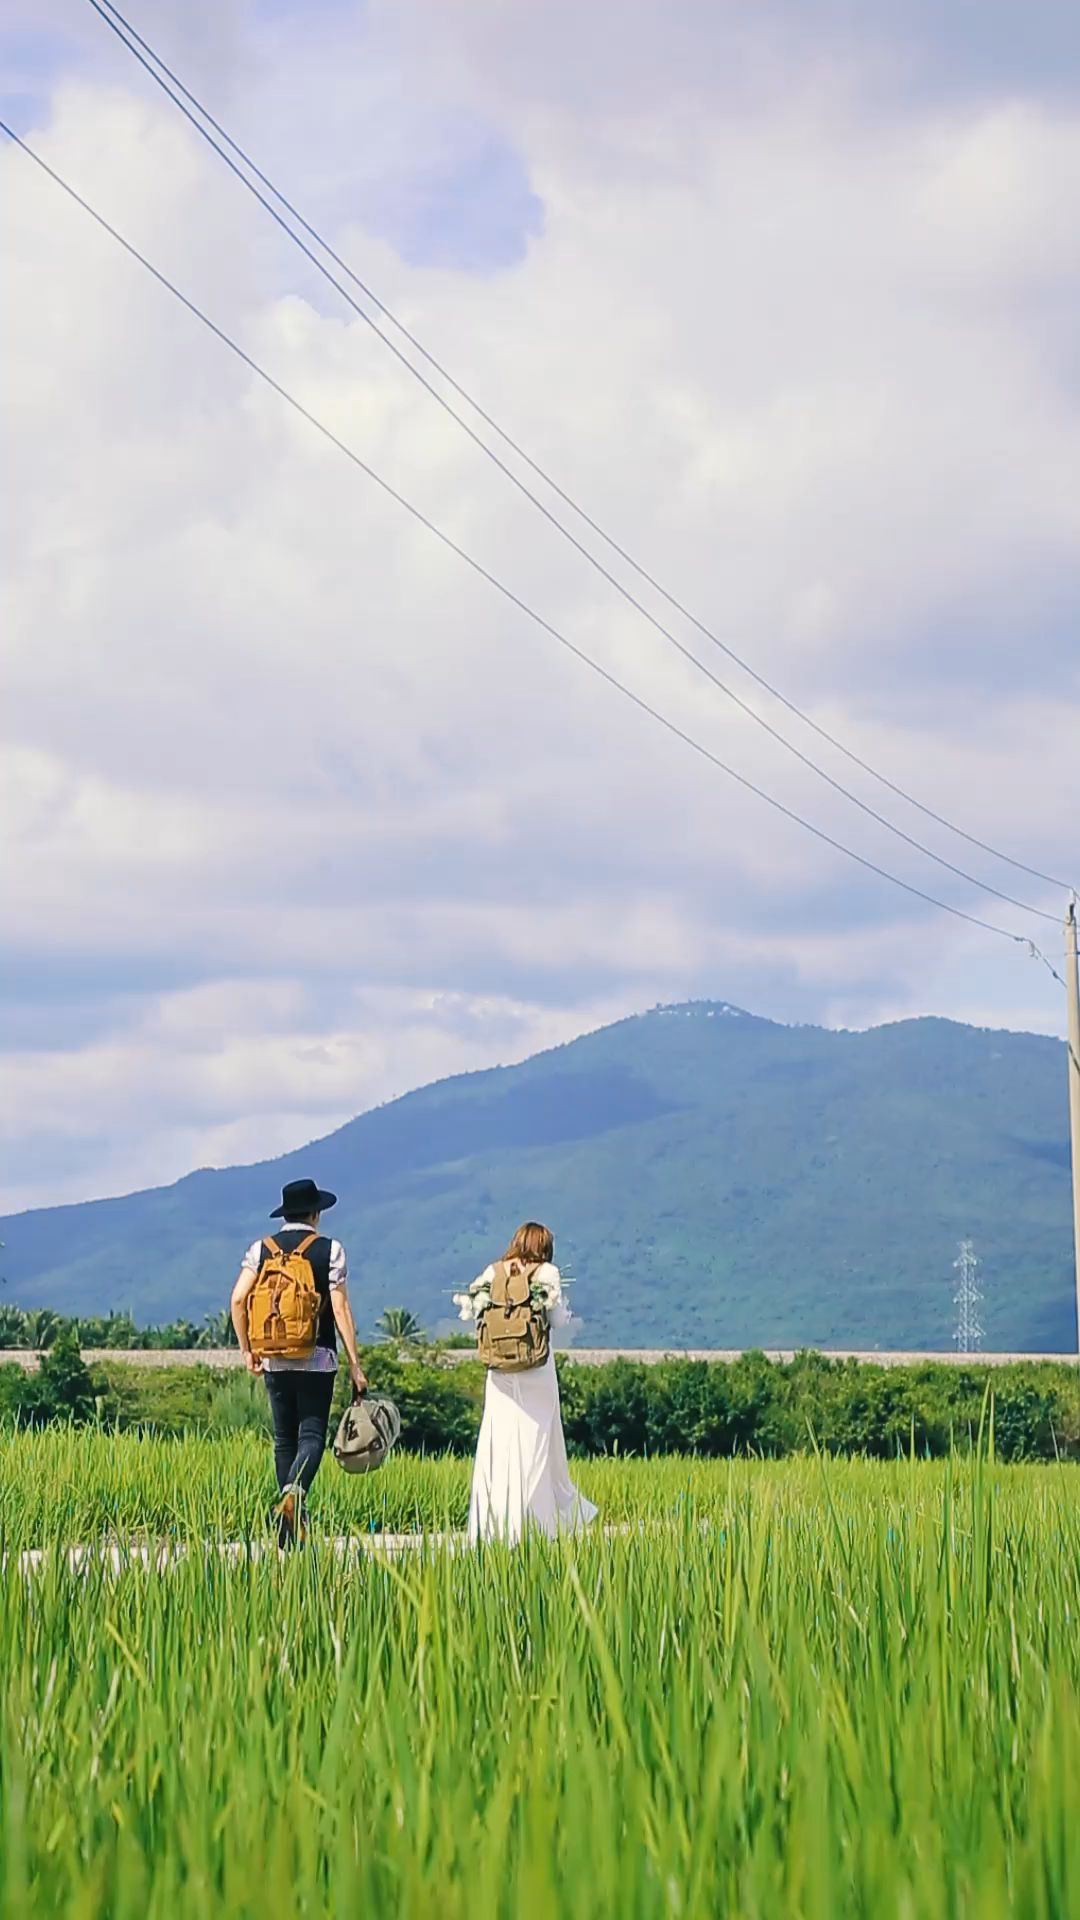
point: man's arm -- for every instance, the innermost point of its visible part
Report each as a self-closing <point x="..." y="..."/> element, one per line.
<point x="346" y="1326"/>
<point x="245" y="1280"/>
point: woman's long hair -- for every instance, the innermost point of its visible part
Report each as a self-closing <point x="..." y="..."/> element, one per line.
<point x="532" y="1245"/>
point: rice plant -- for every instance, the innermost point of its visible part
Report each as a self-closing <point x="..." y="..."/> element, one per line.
<point x="804" y="1689"/>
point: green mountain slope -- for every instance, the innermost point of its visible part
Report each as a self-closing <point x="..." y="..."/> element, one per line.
<point x="712" y="1179"/>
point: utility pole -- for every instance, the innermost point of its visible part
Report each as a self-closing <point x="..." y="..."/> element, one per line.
<point x="1072" y="996"/>
<point x="968" y="1333"/>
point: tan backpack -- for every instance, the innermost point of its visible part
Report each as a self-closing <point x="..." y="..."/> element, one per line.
<point x="284" y="1304"/>
<point x="512" y="1335"/>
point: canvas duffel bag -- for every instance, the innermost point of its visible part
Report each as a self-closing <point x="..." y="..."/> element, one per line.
<point x="367" y="1431"/>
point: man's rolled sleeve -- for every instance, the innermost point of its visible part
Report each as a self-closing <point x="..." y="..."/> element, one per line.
<point x="252" y="1258"/>
<point x="339" y="1271"/>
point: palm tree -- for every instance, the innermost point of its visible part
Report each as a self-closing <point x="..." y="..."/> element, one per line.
<point x="220" y="1331"/>
<point x="12" y="1327"/>
<point x="397" y="1323"/>
<point x="42" y="1327"/>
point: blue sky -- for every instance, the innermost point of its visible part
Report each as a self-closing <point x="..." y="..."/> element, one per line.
<point x="297" y="814"/>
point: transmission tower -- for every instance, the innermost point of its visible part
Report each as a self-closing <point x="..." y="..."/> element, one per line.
<point x="969" y="1332"/>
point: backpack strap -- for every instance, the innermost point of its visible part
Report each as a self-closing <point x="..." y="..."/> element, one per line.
<point x="517" y="1270"/>
<point x="272" y="1247"/>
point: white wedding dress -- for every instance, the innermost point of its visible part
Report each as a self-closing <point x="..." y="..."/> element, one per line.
<point x="521" y="1473"/>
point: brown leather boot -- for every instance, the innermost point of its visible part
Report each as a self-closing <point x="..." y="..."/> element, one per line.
<point x="292" y="1528"/>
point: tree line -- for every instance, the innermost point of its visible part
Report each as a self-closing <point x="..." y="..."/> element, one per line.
<point x="715" y="1409"/>
<point x="36" y="1329"/>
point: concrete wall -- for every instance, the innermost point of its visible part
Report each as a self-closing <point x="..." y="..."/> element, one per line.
<point x="581" y="1356"/>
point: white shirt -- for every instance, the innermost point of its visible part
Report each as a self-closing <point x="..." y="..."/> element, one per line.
<point x="323" y="1360"/>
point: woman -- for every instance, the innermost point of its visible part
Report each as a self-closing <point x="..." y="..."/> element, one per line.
<point x="521" y="1471"/>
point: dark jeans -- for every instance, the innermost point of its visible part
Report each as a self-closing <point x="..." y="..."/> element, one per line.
<point x="300" y="1410"/>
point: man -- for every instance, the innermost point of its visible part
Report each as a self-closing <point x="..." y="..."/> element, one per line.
<point x="300" y="1391"/>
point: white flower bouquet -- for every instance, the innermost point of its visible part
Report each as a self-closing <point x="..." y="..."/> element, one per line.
<point x="477" y="1301"/>
<point x="546" y="1288"/>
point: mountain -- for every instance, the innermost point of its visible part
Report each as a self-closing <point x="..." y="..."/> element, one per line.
<point x="712" y="1179"/>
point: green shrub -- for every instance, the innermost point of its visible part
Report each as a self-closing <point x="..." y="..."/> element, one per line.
<point x="754" y="1405"/>
<point x="63" y="1388"/>
<point x="238" y="1403"/>
<point x="707" y="1408"/>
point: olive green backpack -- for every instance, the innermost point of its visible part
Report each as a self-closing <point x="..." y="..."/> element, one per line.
<point x="512" y="1334"/>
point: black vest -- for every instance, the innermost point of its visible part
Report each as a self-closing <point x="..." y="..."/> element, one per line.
<point x="318" y="1254"/>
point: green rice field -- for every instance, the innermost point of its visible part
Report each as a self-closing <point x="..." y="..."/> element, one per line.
<point x="803" y="1689"/>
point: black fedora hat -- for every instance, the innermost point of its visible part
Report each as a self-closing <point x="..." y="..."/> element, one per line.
<point x="301" y="1197"/>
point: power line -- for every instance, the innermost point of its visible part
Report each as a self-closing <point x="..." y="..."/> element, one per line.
<point x="837" y="786"/>
<point x="133" y="40"/>
<point x="1038" y="954"/>
<point x="492" y="579"/>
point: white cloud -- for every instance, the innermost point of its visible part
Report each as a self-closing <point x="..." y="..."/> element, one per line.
<point x="280" y="776"/>
<point x="240" y="1070"/>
